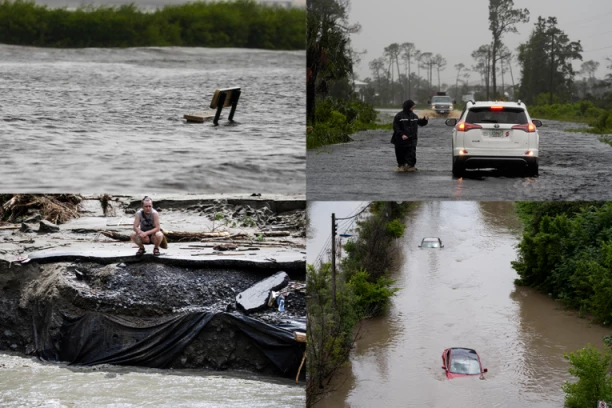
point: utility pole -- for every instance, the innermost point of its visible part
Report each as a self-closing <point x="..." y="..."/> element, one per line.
<point x="552" y="66"/>
<point x="333" y="254"/>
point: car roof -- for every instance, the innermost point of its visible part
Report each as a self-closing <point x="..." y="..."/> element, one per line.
<point x="464" y="352"/>
<point x="509" y="104"/>
<point x="431" y="239"/>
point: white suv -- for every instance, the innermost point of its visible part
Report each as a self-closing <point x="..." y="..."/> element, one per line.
<point x="495" y="135"/>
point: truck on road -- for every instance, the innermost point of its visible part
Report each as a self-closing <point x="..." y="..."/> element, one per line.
<point x="441" y="103"/>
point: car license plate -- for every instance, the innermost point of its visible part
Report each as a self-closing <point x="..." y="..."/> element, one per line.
<point x="494" y="133"/>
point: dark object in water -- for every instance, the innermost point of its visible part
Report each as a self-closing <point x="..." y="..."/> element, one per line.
<point x="225" y="98"/>
<point x="222" y="98"/>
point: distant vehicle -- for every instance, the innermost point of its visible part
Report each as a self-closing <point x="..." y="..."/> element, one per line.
<point x="495" y="135"/>
<point x="441" y="103"/>
<point x="431" y="243"/>
<point x="461" y="362"/>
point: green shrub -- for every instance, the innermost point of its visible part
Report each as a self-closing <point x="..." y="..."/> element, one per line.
<point x="372" y="298"/>
<point x="566" y="251"/>
<point x="336" y="119"/>
<point x="396" y="228"/>
<point x="349" y="247"/>
<point x="591" y="366"/>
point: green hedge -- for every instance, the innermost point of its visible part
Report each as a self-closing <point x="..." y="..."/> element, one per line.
<point x="336" y="119"/>
<point x="240" y="24"/>
<point x="599" y="119"/>
<point x="568" y="254"/>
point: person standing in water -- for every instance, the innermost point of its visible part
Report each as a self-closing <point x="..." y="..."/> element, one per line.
<point x="405" y="129"/>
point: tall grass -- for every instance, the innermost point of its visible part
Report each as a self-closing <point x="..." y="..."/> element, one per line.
<point x="240" y="24"/>
<point x="599" y="120"/>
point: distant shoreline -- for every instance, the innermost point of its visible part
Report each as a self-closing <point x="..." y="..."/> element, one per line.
<point x="239" y="24"/>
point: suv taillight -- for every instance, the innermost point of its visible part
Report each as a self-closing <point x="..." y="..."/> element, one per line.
<point x="527" y="127"/>
<point x="464" y="127"/>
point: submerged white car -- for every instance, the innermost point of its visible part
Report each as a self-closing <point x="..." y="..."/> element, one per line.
<point x="495" y="135"/>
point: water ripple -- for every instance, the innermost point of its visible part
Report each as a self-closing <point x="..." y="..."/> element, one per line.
<point x="99" y="118"/>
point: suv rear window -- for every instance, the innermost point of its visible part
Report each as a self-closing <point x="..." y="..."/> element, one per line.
<point x="514" y="116"/>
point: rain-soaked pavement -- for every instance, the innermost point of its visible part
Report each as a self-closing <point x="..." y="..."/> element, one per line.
<point x="573" y="166"/>
<point x="463" y="296"/>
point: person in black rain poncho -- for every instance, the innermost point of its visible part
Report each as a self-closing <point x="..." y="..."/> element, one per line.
<point x="405" y="128"/>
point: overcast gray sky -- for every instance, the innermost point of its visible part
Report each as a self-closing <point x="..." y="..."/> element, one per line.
<point x="456" y="28"/>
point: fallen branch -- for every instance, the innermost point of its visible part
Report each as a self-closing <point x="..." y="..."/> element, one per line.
<point x="10" y="227"/>
<point x="275" y="233"/>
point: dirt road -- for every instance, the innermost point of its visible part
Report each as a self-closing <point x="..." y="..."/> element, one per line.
<point x="573" y="166"/>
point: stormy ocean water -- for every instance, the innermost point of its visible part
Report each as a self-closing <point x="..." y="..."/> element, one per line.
<point x="90" y="120"/>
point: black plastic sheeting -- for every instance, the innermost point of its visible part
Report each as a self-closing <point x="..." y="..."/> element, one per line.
<point x="97" y="338"/>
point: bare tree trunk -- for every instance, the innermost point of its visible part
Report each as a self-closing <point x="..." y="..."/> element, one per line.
<point x="502" y="76"/>
<point x="493" y="60"/>
<point x="487" y="76"/>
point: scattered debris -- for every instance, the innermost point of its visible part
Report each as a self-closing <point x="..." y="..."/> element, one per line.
<point x="256" y="297"/>
<point x="46" y="226"/>
<point x="225" y="247"/>
<point x="55" y="208"/>
<point x="33" y="219"/>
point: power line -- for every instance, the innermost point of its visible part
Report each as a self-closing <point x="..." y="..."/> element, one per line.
<point x="346" y="221"/>
<point x="353" y="216"/>
<point x="587" y="20"/>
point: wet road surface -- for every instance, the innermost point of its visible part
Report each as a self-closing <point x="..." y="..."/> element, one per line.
<point x="573" y="166"/>
<point x="463" y="296"/>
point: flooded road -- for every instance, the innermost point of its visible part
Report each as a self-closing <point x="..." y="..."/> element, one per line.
<point x="463" y="296"/>
<point x="573" y="166"/>
<point x="27" y="382"/>
<point x="95" y="119"/>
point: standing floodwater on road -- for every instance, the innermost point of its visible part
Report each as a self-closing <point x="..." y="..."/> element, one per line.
<point x="94" y="119"/>
<point x="463" y="296"/>
<point x="573" y="166"/>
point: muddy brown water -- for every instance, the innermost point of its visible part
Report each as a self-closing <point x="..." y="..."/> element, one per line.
<point x="573" y="166"/>
<point x="463" y="296"/>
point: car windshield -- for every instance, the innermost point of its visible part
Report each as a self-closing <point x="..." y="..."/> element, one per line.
<point x="513" y="116"/>
<point x="441" y="99"/>
<point x="430" y="244"/>
<point x="464" y="361"/>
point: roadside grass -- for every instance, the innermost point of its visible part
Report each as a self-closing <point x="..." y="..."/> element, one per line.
<point x="599" y="120"/>
<point x="606" y="139"/>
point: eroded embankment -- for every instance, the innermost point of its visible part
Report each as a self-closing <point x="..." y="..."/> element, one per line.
<point x="148" y="314"/>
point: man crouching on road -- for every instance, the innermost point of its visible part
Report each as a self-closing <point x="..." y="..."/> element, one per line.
<point x="147" y="228"/>
<point x="405" y="128"/>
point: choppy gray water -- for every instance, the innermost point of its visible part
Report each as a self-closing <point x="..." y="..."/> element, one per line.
<point x="92" y="120"/>
<point x="26" y="382"/>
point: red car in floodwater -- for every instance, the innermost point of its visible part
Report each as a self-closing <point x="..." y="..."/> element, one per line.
<point x="461" y="362"/>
